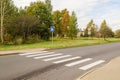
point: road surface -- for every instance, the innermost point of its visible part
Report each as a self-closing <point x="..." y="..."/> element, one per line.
<point x="59" y="64"/>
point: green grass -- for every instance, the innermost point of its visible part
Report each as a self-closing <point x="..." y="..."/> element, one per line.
<point x="60" y="43"/>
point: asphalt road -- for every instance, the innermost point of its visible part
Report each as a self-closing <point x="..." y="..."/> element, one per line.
<point x="60" y="64"/>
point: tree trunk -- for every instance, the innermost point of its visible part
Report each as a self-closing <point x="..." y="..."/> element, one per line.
<point x="2" y="18"/>
<point x="2" y="40"/>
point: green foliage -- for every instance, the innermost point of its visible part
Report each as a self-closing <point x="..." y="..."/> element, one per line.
<point x="40" y="10"/>
<point x="57" y="22"/>
<point x="22" y="25"/>
<point x="105" y="30"/>
<point x="117" y="33"/>
<point x="60" y="43"/>
<point x="7" y="11"/>
<point x="49" y="6"/>
<point x="32" y="24"/>
<point x="92" y="28"/>
<point x="72" y="30"/>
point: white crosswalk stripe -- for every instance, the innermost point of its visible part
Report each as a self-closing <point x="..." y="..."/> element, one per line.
<point x="65" y="60"/>
<point x="78" y="62"/>
<point x="86" y="67"/>
<point x="50" y="59"/>
<point x="47" y="56"/>
<point x="32" y="53"/>
<point x="60" y="58"/>
<point x="40" y="54"/>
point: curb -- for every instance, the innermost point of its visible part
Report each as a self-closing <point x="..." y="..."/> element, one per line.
<point x="86" y="74"/>
<point x="6" y="54"/>
<point x="17" y="52"/>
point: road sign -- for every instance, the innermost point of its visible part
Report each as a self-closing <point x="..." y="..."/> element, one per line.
<point x="52" y="28"/>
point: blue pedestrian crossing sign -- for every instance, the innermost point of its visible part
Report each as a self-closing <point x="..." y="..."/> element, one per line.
<point x="52" y="28"/>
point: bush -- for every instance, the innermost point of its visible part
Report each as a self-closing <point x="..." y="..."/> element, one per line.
<point x="33" y="39"/>
<point x="19" y="40"/>
<point x="8" y="38"/>
<point x="117" y="33"/>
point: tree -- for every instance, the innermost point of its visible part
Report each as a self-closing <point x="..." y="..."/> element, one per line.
<point x="49" y="6"/>
<point x="7" y="9"/>
<point x="117" y="33"/>
<point x="92" y="28"/>
<point x="72" y="30"/>
<point x="40" y="10"/>
<point x="105" y="30"/>
<point x="57" y="22"/>
<point x="65" y="22"/>
<point x="23" y="26"/>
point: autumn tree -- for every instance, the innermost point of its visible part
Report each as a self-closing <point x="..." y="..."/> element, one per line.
<point x="72" y="30"/>
<point x="65" y="22"/>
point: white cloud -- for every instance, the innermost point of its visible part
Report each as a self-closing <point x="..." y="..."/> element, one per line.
<point x="85" y="10"/>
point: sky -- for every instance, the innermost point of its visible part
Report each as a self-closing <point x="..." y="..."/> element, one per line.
<point x="98" y="10"/>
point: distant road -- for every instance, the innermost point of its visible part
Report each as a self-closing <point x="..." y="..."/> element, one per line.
<point x="60" y="64"/>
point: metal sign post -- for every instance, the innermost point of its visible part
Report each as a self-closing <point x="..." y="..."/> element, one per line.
<point x="52" y="29"/>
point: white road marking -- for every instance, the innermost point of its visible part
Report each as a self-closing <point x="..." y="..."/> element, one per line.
<point x="33" y="53"/>
<point x="39" y="54"/>
<point x="65" y="60"/>
<point x="47" y="56"/>
<point x="91" y="65"/>
<point x="78" y="62"/>
<point x="56" y="58"/>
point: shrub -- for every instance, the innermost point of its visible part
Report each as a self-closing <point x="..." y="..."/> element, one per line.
<point x="19" y="40"/>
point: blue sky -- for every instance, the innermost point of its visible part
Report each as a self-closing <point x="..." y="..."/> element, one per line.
<point x="98" y="10"/>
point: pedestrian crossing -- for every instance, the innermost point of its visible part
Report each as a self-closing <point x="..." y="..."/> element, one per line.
<point x="78" y="62"/>
<point x="91" y="65"/>
<point x="65" y="60"/>
<point x="50" y="59"/>
<point x="69" y="60"/>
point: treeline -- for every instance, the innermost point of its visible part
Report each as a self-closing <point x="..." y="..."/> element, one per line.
<point x="33" y="23"/>
<point x="92" y="30"/>
<point x="104" y="31"/>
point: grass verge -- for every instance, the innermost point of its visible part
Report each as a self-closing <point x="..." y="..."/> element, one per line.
<point x="60" y="43"/>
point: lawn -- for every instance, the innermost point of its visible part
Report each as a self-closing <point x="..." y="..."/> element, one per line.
<point x="60" y="43"/>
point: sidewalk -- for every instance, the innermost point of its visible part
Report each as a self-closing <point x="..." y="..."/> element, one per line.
<point x="110" y="71"/>
<point x="13" y="52"/>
